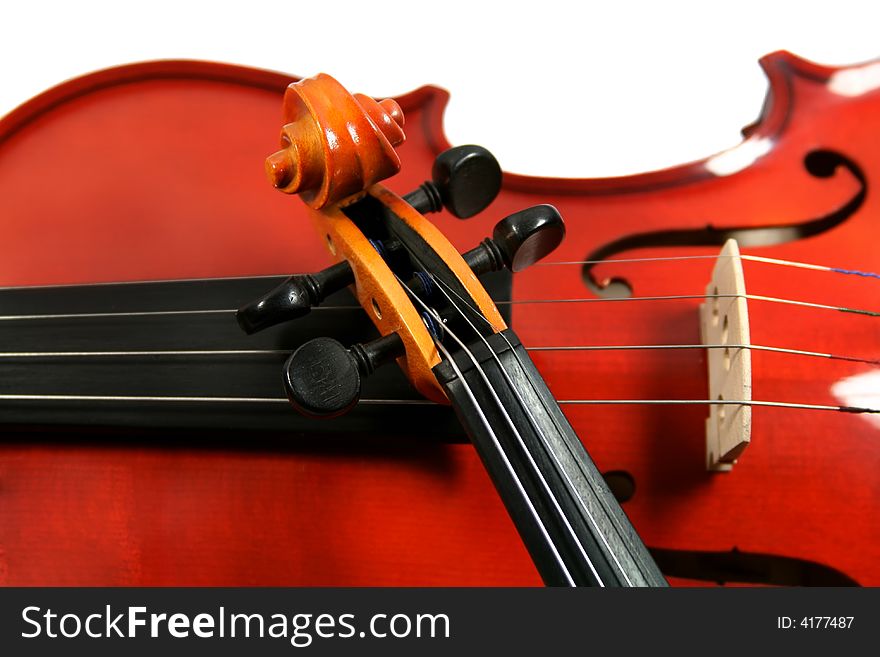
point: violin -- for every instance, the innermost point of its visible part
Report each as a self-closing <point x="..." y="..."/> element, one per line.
<point x="218" y="481"/>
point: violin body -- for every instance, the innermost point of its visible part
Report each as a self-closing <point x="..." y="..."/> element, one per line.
<point x="153" y="172"/>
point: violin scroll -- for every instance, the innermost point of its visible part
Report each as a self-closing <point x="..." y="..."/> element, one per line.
<point x="334" y="144"/>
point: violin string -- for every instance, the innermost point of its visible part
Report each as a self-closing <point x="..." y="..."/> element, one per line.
<point x="182" y="399"/>
<point x="399" y="401"/>
<point x="212" y="279"/>
<point x="448" y="291"/>
<point x="724" y="402"/>
<point x="750" y="258"/>
<point x="500" y="449"/>
<point x="753" y="347"/>
<point x="146" y="313"/>
<point x="674" y="297"/>
<point x="753" y="297"/>
<point x="509" y="466"/>
<point x="144" y="353"/>
<point x="107" y="315"/>
<point x="286" y="352"/>
<point x="209" y="279"/>
<point x="777" y="404"/>
<point x="549" y="453"/>
<point x="176" y="399"/>
<point x="822" y="407"/>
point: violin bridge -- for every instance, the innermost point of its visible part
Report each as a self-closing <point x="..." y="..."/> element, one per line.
<point x="724" y="319"/>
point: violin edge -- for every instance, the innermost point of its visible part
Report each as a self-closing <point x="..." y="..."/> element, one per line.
<point x="780" y="67"/>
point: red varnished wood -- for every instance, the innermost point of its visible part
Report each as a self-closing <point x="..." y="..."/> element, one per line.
<point x="106" y="178"/>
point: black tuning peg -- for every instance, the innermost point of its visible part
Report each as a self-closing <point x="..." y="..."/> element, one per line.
<point x="519" y="240"/>
<point x="464" y="180"/>
<point x="294" y="298"/>
<point x="322" y="378"/>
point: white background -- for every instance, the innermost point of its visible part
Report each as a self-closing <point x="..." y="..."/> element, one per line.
<point x="605" y="88"/>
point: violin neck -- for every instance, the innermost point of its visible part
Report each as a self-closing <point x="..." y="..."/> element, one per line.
<point x="569" y="520"/>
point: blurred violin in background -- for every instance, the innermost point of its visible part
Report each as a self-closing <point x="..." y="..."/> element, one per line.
<point x="709" y="332"/>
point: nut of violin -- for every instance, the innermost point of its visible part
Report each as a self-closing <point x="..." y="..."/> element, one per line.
<point x="724" y="320"/>
<point x="334" y="145"/>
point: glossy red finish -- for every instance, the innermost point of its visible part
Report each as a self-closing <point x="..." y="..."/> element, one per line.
<point x="106" y="178"/>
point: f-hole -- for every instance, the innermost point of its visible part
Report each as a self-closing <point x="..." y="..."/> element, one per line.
<point x="818" y="163"/>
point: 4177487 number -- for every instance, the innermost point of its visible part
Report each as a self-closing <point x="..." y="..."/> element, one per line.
<point x="814" y="622"/>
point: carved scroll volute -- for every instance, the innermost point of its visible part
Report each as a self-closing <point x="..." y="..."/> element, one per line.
<point x="334" y="144"/>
